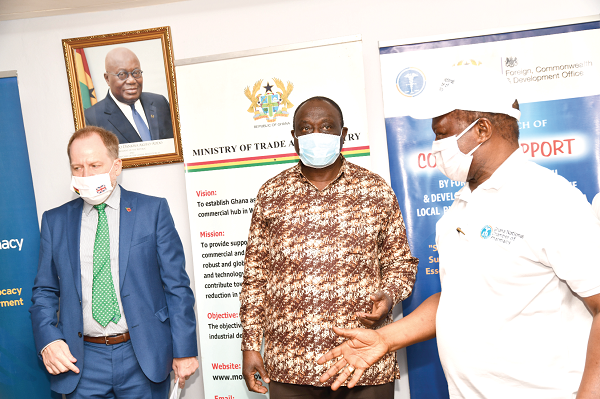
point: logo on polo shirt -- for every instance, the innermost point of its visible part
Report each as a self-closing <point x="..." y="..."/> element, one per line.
<point x="499" y="234"/>
<point x="486" y="231"/>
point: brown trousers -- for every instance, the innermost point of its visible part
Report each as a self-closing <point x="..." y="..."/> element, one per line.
<point x="280" y="390"/>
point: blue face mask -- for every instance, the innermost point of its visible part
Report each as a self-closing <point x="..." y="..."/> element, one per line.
<point x="319" y="150"/>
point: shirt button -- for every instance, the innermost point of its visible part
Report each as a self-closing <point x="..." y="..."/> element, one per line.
<point x="80" y="335"/>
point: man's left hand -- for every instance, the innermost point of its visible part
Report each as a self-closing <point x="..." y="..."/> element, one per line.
<point x="184" y="368"/>
<point x="382" y="304"/>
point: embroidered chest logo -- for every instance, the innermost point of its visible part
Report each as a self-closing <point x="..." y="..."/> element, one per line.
<point x="486" y="231"/>
<point x="499" y="234"/>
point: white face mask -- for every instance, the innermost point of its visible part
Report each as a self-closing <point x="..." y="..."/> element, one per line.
<point x="319" y="150"/>
<point x="450" y="160"/>
<point x="93" y="189"/>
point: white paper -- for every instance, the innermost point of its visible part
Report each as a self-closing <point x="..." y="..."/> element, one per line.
<point x="176" y="391"/>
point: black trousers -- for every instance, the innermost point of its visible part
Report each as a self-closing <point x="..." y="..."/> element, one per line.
<point x="280" y="390"/>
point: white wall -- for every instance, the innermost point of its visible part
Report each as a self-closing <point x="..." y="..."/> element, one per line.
<point x="199" y="28"/>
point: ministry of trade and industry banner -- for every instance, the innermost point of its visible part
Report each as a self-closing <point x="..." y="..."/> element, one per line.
<point x="22" y="373"/>
<point x="555" y="73"/>
<point x="236" y="122"/>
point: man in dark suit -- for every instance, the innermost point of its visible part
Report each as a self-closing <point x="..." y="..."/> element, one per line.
<point x="112" y="264"/>
<point x="126" y="111"/>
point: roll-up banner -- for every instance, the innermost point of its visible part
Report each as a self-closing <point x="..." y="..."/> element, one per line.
<point x="555" y="72"/>
<point x="22" y="374"/>
<point x="236" y="122"/>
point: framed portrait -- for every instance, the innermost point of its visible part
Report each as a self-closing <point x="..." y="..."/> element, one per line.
<point x="125" y="83"/>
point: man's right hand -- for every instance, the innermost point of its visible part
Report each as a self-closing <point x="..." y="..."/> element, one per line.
<point x="253" y="363"/>
<point x="58" y="359"/>
<point x="363" y="348"/>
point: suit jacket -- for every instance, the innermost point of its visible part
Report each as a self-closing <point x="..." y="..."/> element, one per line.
<point x="109" y="116"/>
<point x="155" y="288"/>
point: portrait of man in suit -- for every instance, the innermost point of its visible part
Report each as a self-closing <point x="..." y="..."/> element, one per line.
<point x="130" y="113"/>
<point x="113" y="311"/>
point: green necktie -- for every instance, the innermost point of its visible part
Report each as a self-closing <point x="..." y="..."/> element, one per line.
<point x="105" y="307"/>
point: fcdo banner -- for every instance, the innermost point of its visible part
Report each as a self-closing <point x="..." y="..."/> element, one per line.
<point x="555" y="73"/>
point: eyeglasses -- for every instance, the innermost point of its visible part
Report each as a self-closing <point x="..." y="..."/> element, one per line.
<point x="123" y="75"/>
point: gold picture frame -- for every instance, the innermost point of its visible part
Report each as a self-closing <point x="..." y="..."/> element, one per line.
<point x="94" y="101"/>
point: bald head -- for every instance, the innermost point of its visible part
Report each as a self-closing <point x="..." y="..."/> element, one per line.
<point x="118" y="60"/>
<point x="119" y="55"/>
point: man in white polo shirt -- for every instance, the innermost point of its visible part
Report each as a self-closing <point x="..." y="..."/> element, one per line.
<point x="518" y="313"/>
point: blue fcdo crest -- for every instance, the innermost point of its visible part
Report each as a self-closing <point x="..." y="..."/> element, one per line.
<point x="486" y="232"/>
<point x="410" y="82"/>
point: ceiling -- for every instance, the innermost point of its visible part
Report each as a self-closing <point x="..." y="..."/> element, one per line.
<point x="20" y="9"/>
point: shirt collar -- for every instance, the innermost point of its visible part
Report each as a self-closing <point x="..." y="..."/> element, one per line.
<point x="126" y="107"/>
<point x="114" y="201"/>
<point x="504" y="173"/>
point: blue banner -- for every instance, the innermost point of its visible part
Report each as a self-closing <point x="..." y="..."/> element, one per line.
<point x="22" y="374"/>
<point x="555" y="75"/>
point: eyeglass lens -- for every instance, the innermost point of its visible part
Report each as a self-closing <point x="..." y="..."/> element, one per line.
<point x="124" y="75"/>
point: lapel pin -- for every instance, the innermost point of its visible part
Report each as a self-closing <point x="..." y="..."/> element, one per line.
<point x="128" y="209"/>
<point x="151" y="116"/>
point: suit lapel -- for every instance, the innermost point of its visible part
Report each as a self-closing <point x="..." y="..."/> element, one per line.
<point x="151" y="117"/>
<point x="119" y="121"/>
<point x="127" y="211"/>
<point x="73" y="229"/>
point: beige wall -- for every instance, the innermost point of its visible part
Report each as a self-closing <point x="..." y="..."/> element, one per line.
<point x="202" y="27"/>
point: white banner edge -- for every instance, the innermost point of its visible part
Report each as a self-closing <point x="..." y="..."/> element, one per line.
<point x="485" y="32"/>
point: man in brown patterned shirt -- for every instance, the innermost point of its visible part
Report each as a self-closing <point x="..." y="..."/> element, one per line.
<point x="327" y="247"/>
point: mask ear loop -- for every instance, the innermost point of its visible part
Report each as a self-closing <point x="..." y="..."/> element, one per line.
<point x="111" y="168"/>
<point x="466" y="130"/>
